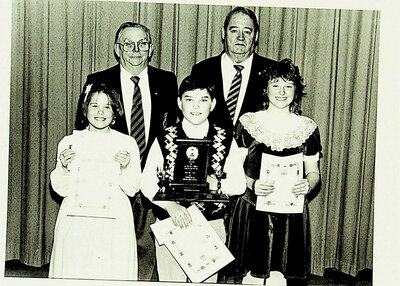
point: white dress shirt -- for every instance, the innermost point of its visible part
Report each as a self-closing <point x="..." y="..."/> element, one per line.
<point x="127" y="87"/>
<point x="228" y="73"/>
<point x="195" y="131"/>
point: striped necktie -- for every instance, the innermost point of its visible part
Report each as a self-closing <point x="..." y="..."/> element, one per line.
<point x="137" y="118"/>
<point x="233" y="94"/>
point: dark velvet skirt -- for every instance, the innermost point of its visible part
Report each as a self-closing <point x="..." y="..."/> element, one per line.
<point x="262" y="242"/>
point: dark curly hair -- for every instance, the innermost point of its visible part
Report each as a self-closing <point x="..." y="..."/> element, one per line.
<point x="286" y="70"/>
<point x="96" y="87"/>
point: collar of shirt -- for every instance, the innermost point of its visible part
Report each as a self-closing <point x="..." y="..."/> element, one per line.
<point x="228" y="73"/>
<point x="127" y="87"/>
<point x="195" y="131"/>
<point x="126" y="76"/>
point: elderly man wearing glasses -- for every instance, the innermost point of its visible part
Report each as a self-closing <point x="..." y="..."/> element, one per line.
<point x="148" y="96"/>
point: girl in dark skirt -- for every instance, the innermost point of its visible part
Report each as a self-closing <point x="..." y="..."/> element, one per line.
<point x="273" y="248"/>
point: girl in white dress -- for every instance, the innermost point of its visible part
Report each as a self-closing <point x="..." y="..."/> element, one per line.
<point x="97" y="169"/>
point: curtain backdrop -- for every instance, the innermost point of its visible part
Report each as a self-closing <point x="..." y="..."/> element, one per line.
<point x="56" y="44"/>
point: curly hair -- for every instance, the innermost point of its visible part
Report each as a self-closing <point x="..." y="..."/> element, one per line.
<point x="286" y="70"/>
<point x="96" y="87"/>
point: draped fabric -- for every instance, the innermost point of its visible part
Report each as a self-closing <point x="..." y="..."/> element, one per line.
<point x="56" y="44"/>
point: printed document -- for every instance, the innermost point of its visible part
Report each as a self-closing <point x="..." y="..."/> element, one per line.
<point x="284" y="172"/>
<point x="197" y="248"/>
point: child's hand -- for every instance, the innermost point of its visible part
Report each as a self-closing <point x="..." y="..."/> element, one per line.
<point x="302" y="187"/>
<point x="179" y="214"/>
<point x="123" y="157"/>
<point x="66" y="156"/>
<point x="264" y="188"/>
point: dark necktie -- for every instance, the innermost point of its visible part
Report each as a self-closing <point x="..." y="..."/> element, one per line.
<point x="233" y="94"/>
<point x="137" y="118"/>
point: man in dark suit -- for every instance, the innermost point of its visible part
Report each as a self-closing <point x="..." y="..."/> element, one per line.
<point x="240" y="37"/>
<point x="237" y="75"/>
<point x="149" y="97"/>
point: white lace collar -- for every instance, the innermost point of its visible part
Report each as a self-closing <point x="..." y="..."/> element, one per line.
<point x="302" y="129"/>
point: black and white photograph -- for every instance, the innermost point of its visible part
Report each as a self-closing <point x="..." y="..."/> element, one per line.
<point x="99" y="94"/>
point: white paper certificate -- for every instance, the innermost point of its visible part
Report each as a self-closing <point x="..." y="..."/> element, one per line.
<point x="95" y="175"/>
<point x="285" y="172"/>
<point x="197" y="249"/>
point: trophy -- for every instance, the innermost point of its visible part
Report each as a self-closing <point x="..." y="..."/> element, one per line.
<point x="186" y="178"/>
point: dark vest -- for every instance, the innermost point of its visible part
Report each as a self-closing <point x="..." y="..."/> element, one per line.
<point x="219" y="149"/>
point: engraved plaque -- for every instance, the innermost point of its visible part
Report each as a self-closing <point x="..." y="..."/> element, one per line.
<point x="190" y="171"/>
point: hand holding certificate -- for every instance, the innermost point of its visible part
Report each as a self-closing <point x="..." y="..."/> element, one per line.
<point x="284" y="172"/>
<point x="95" y="175"/>
<point x="197" y="248"/>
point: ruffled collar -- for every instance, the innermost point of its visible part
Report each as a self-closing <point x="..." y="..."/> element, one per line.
<point x="302" y="129"/>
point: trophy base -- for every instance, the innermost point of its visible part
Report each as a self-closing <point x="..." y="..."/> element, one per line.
<point x="191" y="195"/>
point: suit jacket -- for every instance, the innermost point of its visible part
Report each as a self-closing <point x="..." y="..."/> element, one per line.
<point x="210" y="70"/>
<point x="163" y="91"/>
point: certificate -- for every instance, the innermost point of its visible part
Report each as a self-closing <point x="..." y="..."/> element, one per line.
<point x="284" y="172"/>
<point x="197" y="249"/>
<point x="94" y="175"/>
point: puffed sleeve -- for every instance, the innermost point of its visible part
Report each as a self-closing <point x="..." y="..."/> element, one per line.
<point x="235" y="182"/>
<point x="253" y="160"/>
<point x="312" y="147"/>
<point x="154" y="162"/>
<point x="243" y="138"/>
<point x="246" y="141"/>
<point x="129" y="178"/>
<point x="60" y="178"/>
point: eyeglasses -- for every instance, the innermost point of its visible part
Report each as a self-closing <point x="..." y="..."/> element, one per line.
<point x="142" y="46"/>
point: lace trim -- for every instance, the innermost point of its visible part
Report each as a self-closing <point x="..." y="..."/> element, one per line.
<point x="278" y="141"/>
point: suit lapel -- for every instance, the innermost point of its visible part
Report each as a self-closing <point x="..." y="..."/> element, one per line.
<point x="219" y="83"/>
<point x="152" y="81"/>
<point x="114" y="79"/>
<point x="253" y="87"/>
<point x="154" y="93"/>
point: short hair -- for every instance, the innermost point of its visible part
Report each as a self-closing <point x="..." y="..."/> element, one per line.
<point x="191" y="83"/>
<point x="245" y="11"/>
<point x="130" y="25"/>
<point x="97" y="87"/>
<point x="286" y="70"/>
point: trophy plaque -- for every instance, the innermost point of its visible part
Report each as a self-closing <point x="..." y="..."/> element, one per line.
<point x="189" y="181"/>
<point x="190" y="172"/>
